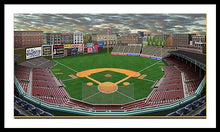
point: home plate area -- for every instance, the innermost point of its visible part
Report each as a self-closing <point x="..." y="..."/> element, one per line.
<point x="107" y="93"/>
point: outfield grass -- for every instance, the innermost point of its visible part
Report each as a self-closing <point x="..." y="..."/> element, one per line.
<point x="73" y="64"/>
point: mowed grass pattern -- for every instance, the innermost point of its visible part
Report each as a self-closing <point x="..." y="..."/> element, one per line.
<point x="73" y="64"/>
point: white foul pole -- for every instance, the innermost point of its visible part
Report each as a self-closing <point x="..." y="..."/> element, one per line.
<point x="108" y="41"/>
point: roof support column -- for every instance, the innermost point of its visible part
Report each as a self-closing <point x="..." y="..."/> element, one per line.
<point x="195" y="65"/>
<point x="199" y="72"/>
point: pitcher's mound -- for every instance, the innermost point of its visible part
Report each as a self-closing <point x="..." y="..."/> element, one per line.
<point x="107" y="87"/>
<point x="108" y="75"/>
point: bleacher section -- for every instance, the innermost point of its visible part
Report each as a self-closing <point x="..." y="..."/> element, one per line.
<point x="153" y="52"/>
<point x="127" y="49"/>
<point x="156" y="51"/>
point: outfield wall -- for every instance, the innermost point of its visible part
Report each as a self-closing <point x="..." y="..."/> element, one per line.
<point x="137" y="54"/>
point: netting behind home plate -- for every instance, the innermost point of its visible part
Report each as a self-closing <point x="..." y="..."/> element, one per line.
<point x="120" y="95"/>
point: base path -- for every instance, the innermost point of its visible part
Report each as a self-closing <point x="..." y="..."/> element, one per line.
<point x="108" y="87"/>
<point x="123" y="71"/>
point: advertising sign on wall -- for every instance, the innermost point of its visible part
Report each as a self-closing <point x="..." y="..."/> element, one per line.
<point x="46" y="50"/>
<point x="79" y="46"/>
<point x="67" y="46"/>
<point x="33" y="52"/>
<point x="74" y="51"/>
<point x="58" y="50"/>
<point x="100" y="44"/>
<point x="92" y="48"/>
<point x="89" y="48"/>
<point x="95" y="48"/>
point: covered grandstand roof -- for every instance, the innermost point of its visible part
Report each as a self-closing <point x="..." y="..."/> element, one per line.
<point x="196" y="56"/>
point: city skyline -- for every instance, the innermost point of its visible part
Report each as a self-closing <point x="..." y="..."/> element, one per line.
<point x="118" y="23"/>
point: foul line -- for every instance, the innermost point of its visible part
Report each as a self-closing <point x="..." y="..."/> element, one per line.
<point x="91" y="96"/>
<point x="149" y="80"/>
<point x="65" y="66"/>
<point x="148" y="66"/>
<point x="125" y="95"/>
<point x="68" y="79"/>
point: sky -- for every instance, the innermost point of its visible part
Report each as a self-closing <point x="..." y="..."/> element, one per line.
<point x="118" y="23"/>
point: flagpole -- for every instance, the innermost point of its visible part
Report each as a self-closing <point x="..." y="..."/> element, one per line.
<point x="52" y="51"/>
<point x="107" y="41"/>
<point x="161" y="53"/>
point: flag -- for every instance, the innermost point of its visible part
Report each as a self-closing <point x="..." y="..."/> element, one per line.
<point x="109" y="30"/>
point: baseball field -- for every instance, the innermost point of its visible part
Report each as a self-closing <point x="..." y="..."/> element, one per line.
<point x="107" y="79"/>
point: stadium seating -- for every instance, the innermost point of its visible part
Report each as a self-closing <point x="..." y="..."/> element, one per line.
<point x="203" y="112"/>
<point x="170" y="89"/>
<point x="173" y="114"/>
<point x="192" y="78"/>
<point x="156" y="51"/>
<point x="27" y="108"/>
<point x="39" y="62"/>
<point x="46" y="114"/>
<point x="17" y="113"/>
<point x="196" y="104"/>
<point x="202" y="100"/>
<point x="127" y="49"/>
<point x="133" y="105"/>
<point x="191" y="108"/>
<point x="37" y="111"/>
<point x="22" y="73"/>
<point x="17" y="100"/>
<point x="182" y="111"/>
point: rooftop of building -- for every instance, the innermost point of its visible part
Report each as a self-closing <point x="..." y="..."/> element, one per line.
<point x="28" y="31"/>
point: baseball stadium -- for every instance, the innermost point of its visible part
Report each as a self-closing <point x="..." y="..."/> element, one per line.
<point x="124" y="80"/>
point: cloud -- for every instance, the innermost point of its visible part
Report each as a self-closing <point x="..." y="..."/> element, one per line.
<point x="197" y="31"/>
<point x="178" y="26"/>
<point x="159" y="24"/>
<point x="88" y="23"/>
